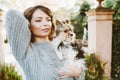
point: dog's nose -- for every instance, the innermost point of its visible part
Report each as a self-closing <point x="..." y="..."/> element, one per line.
<point x="71" y="34"/>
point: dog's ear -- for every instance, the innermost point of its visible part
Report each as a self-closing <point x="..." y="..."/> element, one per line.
<point x="58" y="23"/>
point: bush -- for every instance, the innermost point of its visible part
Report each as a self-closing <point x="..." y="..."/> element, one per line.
<point x="9" y="73"/>
<point x="95" y="68"/>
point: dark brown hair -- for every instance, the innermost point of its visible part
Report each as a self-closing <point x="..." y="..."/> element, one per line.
<point x="28" y="15"/>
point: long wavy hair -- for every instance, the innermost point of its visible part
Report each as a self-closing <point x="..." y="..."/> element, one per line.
<point x="28" y="15"/>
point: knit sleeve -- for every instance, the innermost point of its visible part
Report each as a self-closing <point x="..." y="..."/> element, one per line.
<point x="18" y="33"/>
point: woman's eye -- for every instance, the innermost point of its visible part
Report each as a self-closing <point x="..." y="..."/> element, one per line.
<point x="49" y="20"/>
<point x="37" y="20"/>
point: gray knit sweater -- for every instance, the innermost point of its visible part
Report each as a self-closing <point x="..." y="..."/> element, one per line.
<point x="38" y="60"/>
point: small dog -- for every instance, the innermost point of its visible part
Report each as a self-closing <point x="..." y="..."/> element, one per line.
<point x="70" y="43"/>
<point x="69" y="50"/>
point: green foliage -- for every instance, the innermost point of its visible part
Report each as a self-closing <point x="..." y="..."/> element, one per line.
<point x="95" y="68"/>
<point x="115" y="5"/>
<point x="116" y="50"/>
<point x="80" y="20"/>
<point x="9" y="73"/>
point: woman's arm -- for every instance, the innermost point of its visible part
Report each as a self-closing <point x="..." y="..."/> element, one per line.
<point x="77" y="69"/>
<point x="18" y="33"/>
<point x="70" y="71"/>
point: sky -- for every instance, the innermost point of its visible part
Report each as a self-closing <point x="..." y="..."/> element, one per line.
<point x="52" y="4"/>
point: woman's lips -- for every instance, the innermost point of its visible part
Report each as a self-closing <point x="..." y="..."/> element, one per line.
<point x="45" y="30"/>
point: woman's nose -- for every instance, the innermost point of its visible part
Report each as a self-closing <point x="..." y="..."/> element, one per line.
<point x="45" y="23"/>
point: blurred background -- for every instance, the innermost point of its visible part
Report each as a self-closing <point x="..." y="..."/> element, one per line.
<point x="72" y="10"/>
<point x="63" y="7"/>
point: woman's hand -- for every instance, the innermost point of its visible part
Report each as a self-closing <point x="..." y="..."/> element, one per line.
<point x="70" y="71"/>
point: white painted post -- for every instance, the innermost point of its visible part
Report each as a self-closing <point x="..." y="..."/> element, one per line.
<point x="1" y="40"/>
<point x="100" y="35"/>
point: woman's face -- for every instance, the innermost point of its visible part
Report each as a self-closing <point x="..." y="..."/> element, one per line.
<point x="40" y="24"/>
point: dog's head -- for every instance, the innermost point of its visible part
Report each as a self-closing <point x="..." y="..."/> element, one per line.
<point x="64" y="26"/>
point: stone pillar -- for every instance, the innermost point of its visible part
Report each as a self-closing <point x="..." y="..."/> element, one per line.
<point x="1" y="40"/>
<point x="100" y="34"/>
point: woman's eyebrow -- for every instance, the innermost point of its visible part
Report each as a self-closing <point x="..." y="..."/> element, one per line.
<point x="38" y="18"/>
<point x="42" y="17"/>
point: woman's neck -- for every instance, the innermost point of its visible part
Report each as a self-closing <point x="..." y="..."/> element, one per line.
<point x="41" y="39"/>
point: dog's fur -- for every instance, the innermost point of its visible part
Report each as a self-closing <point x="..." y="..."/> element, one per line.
<point x="70" y="44"/>
<point x="69" y="49"/>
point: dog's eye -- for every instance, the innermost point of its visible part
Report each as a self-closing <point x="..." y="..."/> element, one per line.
<point x="63" y="22"/>
<point x="65" y="31"/>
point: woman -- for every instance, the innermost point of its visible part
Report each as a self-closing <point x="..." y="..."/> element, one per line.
<point x="30" y="40"/>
